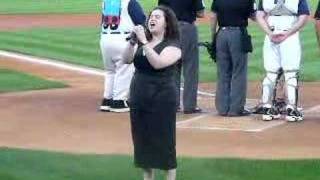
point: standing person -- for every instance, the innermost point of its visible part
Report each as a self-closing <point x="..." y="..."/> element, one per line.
<point x="317" y="23"/>
<point x="118" y="19"/>
<point x="186" y="12"/>
<point x="232" y="44"/>
<point x="152" y="93"/>
<point x="281" y="20"/>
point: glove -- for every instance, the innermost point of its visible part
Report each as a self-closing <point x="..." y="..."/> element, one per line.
<point x="211" y="49"/>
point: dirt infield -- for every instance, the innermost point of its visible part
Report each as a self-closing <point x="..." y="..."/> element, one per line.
<point x="15" y="22"/>
<point x="68" y="120"/>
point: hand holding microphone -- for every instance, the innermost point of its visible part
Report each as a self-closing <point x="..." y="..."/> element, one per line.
<point x="140" y="33"/>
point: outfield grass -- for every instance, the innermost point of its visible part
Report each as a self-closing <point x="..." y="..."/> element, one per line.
<point x="73" y="6"/>
<point x="82" y="47"/>
<point x="58" y="6"/>
<point x="40" y="165"/>
<point x="16" y="81"/>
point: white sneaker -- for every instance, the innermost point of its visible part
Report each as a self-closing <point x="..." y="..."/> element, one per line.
<point x="294" y="115"/>
<point x="270" y="113"/>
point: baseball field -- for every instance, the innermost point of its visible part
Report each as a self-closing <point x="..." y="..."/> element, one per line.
<point x="51" y="82"/>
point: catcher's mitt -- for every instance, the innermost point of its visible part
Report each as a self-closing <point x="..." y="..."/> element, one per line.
<point x="210" y="49"/>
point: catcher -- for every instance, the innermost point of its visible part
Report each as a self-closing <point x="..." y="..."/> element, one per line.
<point x="282" y="20"/>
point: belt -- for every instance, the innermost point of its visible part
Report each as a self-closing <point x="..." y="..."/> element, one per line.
<point x="116" y="32"/>
<point x="230" y="27"/>
<point x="184" y="22"/>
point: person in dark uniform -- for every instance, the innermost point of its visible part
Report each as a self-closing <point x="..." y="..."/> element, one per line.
<point x="186" y="12"/>
<point x="317" y="22"/>
<point x="232" y="44"/>
<point x="153" y="93"/>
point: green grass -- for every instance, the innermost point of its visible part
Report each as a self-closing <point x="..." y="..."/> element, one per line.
<point x="64" y="6"/>
<point x="39" y="165"/>
<point x="57" y="6"/>
<point x="16" y="81"/>
<point x="81" y="46"/>
<point x="72" y="6"/>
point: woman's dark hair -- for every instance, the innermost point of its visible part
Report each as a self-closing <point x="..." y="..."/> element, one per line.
<point x="172" y="29"/>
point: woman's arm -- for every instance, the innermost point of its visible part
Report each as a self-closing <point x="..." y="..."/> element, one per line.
<point x="168" y="56"/>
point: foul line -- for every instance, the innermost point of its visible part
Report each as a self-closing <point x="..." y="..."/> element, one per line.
<point x="312" y="109"/>
<point x="225" y="129"/>
<point x="63" y="65"/>
<point x="192" y="119"/>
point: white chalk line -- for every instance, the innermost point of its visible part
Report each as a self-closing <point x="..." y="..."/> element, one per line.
<point x="192" y="119"/>
<point x="63" y="65"/>
<point x="197" y="118"/>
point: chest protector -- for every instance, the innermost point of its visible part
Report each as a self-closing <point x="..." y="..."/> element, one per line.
<point x="282" y="14"/>
<point x="281" y="7"/>
<point x="111" y="13"/>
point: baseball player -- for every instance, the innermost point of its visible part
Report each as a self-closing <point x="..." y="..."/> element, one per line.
<point x="118" y="19"/>
<point x="281" y="20"/>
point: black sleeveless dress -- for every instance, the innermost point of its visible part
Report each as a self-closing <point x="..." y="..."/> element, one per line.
<point x="153" y="112"/>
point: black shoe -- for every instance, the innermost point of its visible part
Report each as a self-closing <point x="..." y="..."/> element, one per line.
<point x="241" y="113"/>
<point x="105" y="104"/>
<point x="281" y="106"/>
<point x="293" y="114"/>
<point x="193" y="111"/>
<point x="270" y="113"/>
<point x="223" y="114"/>
<point x="119" y="106"/>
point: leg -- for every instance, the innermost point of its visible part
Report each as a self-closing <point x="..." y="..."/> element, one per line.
<point x="171" y="174"/>
<point x="268" y="87"/>
<point x="238" y="89"/>
<point x="271" y="57"/>
<point x="223" y="73"/>
<point x="293" y="114"/>
<point x="269" y="111"/>
<point x="190" y="65"/>
<point x="148" y="174"/>
<point x="280" y="94"/>
<point x="291" y="57"/>
<point x="122" y="80"/>
<point x="109" y="75"/>
<point x="292" y="87"/>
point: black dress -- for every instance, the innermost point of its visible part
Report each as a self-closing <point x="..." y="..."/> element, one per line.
<point x="153" y="112"/>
